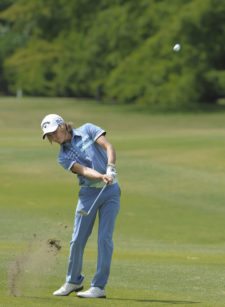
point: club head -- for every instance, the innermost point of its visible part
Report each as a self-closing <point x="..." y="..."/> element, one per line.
<point x="82" y="212"/>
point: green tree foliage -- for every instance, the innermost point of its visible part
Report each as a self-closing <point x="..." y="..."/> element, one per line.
<point x="154" y="75"/>
<point x="120" y="50"/>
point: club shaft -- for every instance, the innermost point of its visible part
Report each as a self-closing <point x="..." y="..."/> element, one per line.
<point x="100" y="193"/>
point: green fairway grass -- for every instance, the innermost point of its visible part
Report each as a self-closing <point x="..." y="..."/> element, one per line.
<point x="170" y="233"/>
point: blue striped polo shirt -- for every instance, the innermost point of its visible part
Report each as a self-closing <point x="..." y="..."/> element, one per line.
<point x="84" y="150"/>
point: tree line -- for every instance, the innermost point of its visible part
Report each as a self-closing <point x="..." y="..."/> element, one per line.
<point x="119" y="50"/>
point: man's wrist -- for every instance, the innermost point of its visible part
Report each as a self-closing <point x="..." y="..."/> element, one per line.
<point x="111" y="170"/>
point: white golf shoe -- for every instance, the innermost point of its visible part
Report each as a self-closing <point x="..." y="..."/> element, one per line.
<point x="93" y="292"/>
<point x="67" y="288"/>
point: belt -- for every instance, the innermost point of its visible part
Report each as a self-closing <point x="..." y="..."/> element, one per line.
<point x="96" y="185"/>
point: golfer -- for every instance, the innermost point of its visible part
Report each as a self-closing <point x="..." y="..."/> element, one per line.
<point x="86" y="152"/>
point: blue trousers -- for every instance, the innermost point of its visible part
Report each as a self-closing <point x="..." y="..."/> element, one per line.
<point x="108" y="207"/>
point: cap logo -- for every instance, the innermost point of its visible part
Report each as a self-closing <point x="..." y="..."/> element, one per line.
<point x="45" y="124"/>
<point x="59" y="121"/>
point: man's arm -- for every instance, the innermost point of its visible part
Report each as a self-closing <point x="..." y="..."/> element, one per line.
<point x="111" y="153"/>
<point x="90" y="173"/>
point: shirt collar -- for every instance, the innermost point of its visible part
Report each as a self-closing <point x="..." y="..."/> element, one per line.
<point x="75" y="132"/>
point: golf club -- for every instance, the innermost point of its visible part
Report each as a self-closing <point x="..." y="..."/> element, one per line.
<point x="85" y="213"/>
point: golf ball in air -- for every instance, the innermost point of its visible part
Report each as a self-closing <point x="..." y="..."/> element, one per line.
<point x="176" y="47"/>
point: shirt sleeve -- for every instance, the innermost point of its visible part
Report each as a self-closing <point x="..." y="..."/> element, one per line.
<point x="66" y="162"/>
<point x="94" y="131"/>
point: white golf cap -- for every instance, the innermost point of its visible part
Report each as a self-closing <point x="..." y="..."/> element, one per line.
<point x="50" y="123"/>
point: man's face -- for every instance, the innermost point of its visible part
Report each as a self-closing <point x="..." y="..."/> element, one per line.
<point x="60" y="135"/>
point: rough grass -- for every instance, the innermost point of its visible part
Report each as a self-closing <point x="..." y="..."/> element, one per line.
<point x="170" y="234"/>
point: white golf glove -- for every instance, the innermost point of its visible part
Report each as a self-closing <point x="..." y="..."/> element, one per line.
<point x="111" y="171"/>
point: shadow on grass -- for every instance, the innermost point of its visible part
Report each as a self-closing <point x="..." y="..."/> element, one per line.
<point x="121" y="299"/>
<point x="153" y="301"/>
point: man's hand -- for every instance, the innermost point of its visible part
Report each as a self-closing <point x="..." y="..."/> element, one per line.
<point x="107" y="179"/>
<point x="111" y="172"/>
